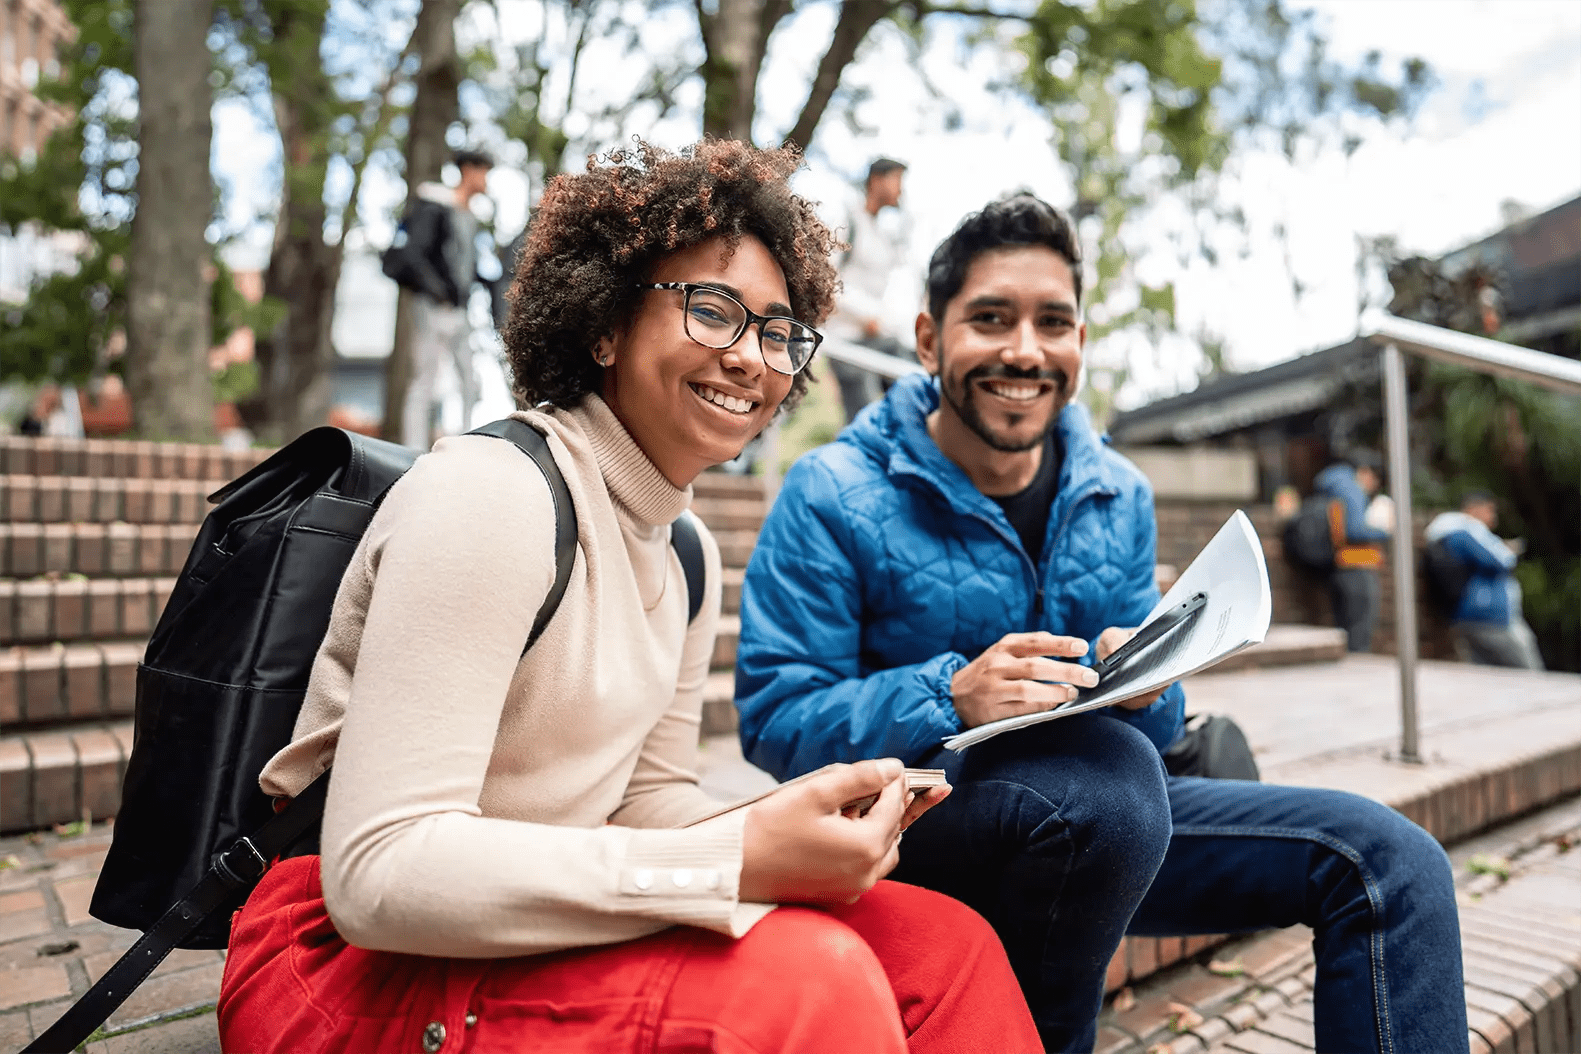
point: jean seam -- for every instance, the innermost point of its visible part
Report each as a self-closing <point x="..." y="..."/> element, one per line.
<point x="1382" y="1022"/>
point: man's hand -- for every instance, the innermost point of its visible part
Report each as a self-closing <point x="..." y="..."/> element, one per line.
<point x="800" y="846"/>
<point x="1108" y="643"/>
<point x="1019" y="675"/>
<point x="871" y="328"/>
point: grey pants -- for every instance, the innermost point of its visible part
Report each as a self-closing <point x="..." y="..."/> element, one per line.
<point x="1354" y="594"/>
<point x="439" y="332"/>
<point x="1488" y="644"/>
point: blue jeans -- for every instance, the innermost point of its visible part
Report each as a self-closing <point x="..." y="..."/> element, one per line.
<point x="1068" y="835"/>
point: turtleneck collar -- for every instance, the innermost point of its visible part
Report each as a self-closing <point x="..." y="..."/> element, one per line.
<point x="634" y="482"/>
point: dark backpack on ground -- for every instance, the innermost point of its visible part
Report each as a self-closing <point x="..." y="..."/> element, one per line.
<point x="1307" y="537"/>
<point x="1213" y="746"/>
<point x="222" y="680"/>
<point x="1445" y="574"/>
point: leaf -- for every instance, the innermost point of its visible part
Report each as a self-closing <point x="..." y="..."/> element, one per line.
<point x="1124" y="1000"/>
<point x="1184" y="1018"/>
<point x="71" y="830"/>
<point x="1490" y="864"/>
<point x="9" y="862"/>
<point x="1227" y="967"/>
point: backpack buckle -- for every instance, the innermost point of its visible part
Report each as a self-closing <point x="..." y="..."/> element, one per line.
<point x="241" y="863"/>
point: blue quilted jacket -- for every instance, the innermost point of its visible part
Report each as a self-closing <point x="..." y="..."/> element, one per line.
<point x="881" y="571"/>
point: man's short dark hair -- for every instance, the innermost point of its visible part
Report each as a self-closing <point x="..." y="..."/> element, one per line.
<point x="883" y="166"/>
<point x="1021" y="219"/>
<point x="476" y="158"/>
<point x="1477" y="497"/>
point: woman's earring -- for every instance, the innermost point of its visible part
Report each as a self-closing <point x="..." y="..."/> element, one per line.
<point x="604" y="361"/>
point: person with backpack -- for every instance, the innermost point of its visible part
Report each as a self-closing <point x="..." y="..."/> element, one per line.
<point x="505" y="860"/>
<point x="1469" y="574"/>
<point x="435" y="255"/>
<point x="1357" y="547"/>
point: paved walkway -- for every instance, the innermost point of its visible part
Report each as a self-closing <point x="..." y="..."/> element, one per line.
<point x="1330" y="725"/>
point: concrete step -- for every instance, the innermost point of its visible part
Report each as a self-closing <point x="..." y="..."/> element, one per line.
<point x="43" y="610"/>
<point x="1286" y="645"/>
<point x="68" y="683"/>
<point x="736" y="545"/>
<point x="725" y="642"/>
<point x="94" y="549"/>
<point x="123" y="458"/>
<point x="103" y="499"/>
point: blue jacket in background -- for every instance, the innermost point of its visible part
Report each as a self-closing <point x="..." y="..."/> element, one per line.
<point x="881" y="571"/>
<point x="1340" y="483"/>
<point x="1491" y="594"/>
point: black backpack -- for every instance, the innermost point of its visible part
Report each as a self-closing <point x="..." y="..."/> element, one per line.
<point x="1307" y="537"/>
<point x="1445" y="574"/>
<point x="221" y="683"/>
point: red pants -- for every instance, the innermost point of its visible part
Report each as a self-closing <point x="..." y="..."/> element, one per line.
<point x="903" y="969"/>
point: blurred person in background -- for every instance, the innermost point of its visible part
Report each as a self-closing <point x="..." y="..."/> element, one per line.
<point x="435" y="255"/>
<point x="1354" y="591"/>
<point x="1482" y="598"/>
<point x="878" y="247"/>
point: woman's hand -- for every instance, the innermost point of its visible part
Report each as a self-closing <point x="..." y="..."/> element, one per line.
<point x="799" y="846"/>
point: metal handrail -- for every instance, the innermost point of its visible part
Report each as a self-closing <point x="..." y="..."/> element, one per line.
<point x="852" y="354"/>
<point x="1494" y="357"/>
<point x="1478" y="353"/>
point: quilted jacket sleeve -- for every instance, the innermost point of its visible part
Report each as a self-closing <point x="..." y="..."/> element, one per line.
<point x="803" y="698"/>
<point x="1162" y="721"/>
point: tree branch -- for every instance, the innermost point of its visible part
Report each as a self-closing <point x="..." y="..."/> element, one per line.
<point x="857" y="18"/>
<point x="383" y="117"/>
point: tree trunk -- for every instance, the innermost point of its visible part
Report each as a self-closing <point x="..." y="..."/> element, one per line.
<point x="168" y="325"/>
<point x="735" y="38"/>
<point x="435" y="106"/>
<point x="296" y="359"/>
<point x="857" y="17"/>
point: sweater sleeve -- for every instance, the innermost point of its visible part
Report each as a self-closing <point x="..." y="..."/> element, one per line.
<point x="456" y="565"/>
<point x="663" y="791"/>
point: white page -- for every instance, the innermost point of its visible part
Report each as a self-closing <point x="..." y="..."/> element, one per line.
<point x="1230" y="572"/>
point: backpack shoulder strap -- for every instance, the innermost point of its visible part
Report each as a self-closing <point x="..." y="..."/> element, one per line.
<point x="689" y="548"/>
<point x="531" y="442"/>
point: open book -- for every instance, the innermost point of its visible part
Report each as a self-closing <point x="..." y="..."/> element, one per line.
<point x="1218" y="606"/>
<point x="917" y="781"/>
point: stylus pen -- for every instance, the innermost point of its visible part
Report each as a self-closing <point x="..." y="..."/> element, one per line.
<point x="1166" y="621"/>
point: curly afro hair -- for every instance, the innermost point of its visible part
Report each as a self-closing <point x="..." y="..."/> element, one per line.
<point x="598" y="234"/>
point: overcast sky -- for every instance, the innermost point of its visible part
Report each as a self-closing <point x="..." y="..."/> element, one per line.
<point x="1501" y="125"/>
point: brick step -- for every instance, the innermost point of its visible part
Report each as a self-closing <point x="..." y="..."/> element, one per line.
<point x="94" y="549"/>
<point x="731" y="589"/>
<point x="123" y="458"/>
<point x="1287" y="645"/>
<point x="725" y="638"/>
<point x="736" y="545"/>
<point x="68" y="682"/>
<point x="725" y="485"/>
<point x="722" y="514"/>
<point x="41" y="611"/>
<point x="103" y="499"/>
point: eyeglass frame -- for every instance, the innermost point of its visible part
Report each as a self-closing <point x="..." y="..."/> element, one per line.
<point x="753" y="318"/>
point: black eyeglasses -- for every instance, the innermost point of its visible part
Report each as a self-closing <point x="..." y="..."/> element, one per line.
<point x="715" y="319"/>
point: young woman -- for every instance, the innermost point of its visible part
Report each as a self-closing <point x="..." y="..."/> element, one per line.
<point x="504" y="866"/>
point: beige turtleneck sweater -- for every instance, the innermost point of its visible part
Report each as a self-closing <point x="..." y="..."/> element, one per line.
<point x="484" y="803"/>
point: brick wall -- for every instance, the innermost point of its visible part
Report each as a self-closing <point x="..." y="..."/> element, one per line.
<point x="1299" y="596"/>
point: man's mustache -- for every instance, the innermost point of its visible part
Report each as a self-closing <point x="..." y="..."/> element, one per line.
<point x="1002" y="372"/>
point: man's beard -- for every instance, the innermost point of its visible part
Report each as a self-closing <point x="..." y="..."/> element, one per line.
<point x="964" y="402"/>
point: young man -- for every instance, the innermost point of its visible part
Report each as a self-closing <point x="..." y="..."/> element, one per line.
<point x="1354" y="589"/>
<point x="877" y="250"/>
<point x="436" y="256"/>
<point x="962" y="554"/>
<point x="1486" y="620"/>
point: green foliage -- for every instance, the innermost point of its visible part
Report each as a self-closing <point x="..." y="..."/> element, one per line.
<point x="236" y="382"/>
